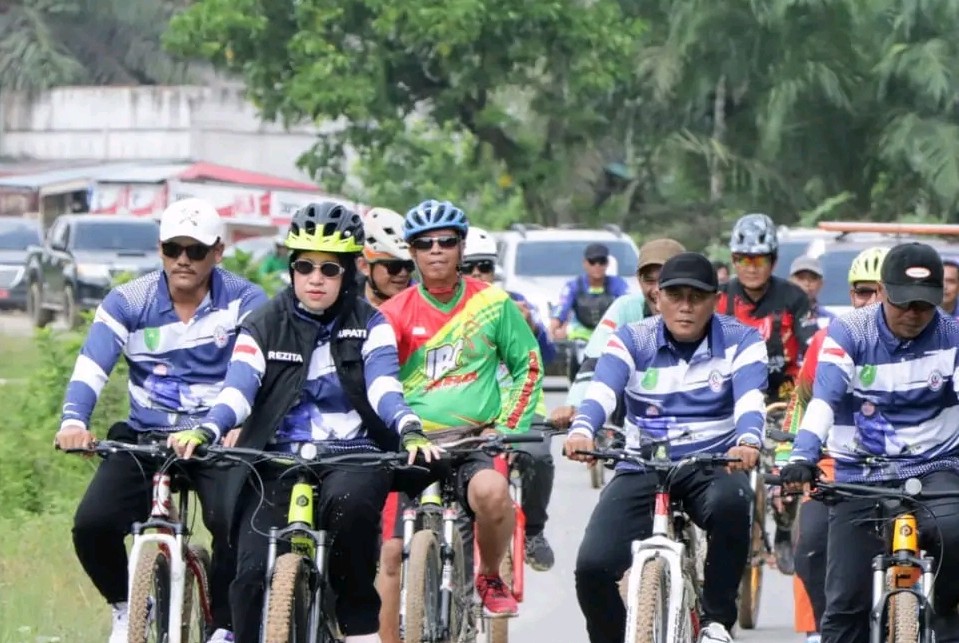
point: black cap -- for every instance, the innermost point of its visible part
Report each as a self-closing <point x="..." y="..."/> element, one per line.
<point x="912" y="272"/>
<point x="689" y="269"/>
<point x="596" y="251"/>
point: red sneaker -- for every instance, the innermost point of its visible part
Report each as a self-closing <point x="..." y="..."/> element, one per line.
<point x="496" y="596"/>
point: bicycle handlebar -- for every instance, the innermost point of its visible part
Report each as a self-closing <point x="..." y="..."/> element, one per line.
<point x="910" y="489"/>
<point x="621" y="455"/>
<point x="497" y="442"/>
<point x="320" y="459"/>
<point x="107" y="447"/>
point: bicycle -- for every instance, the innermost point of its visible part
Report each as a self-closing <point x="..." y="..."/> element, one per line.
<point x="436" y="598"/>
<point x="608" y="437"/>
<point x="298" y="603"/>
<point x="170" y="580"/>
<point x="663" y="584"/>
<point x="903" y="576"/>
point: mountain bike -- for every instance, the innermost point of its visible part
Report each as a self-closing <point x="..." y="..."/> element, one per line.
<point x="903" y="575"/>
<point x="298" y="605"/>
<point x="664" y="583"/>
<point x="437" y="599"/>
<point x="169" y="592"/>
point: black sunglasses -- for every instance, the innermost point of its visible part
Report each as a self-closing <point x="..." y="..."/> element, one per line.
<point x="426" y="243"/>
<point x="602" y="261"/>
<point x="485" y="266"/>
<point x="327" y="268"/>
<point x="918" y="306"/>
<point x="194" y="252"/>
<point x="864" y="292"/>
<point x="394" y="267"/>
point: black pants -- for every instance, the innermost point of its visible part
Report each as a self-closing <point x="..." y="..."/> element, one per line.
<point x="811" y="554"/>
<point x="118" y="495"/>
<point x="853" y="543"/>
<point x="716" y="501"/>
<point x="349" y="506"/>
<point x="538" y="473"/>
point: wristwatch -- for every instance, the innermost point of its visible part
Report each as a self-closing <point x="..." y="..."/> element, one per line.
<point x="749" y="440"/>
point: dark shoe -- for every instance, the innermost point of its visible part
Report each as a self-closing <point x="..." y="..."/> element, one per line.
<point x="539" y="554"/>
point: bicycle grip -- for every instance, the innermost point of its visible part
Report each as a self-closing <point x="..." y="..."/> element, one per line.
<point x="780" y="436"/>
<point x="521" y="437"/>
<point x="772" y="479"/>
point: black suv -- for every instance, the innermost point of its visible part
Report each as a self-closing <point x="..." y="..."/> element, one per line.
<point x="79" y="258"/>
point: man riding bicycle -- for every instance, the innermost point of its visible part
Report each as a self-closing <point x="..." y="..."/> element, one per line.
<point x="176" y="328"/>
<point x="316" y="366"/>
<point x="453" y="332"/>
<point x="696" y="379"/>
<point x="885" y="406"/>
<point x="779" y="309"/>
<point x="386" y="263"/>
<point x="625" y="310"/>
<point x="479" y="262"/>
<point x="809" y="584"/>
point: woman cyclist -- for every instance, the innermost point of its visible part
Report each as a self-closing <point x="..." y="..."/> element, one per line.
<point x="316" y="365"/>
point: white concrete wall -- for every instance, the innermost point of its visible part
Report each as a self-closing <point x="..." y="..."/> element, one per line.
<point x="214" y="124"/>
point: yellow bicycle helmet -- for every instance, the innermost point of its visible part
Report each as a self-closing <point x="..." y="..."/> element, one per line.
<point x="326" y="227"/>
<point x="867" y="265"/>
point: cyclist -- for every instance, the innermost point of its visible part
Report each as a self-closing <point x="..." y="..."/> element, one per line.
<point x="625" y="310"/>
<point x="176" y="328"/>
<point x="317" y="365"/>
<point x="479" y="262"/>
<point x="806" y="272"/>
<point x="453" y="332"/>
<point x="722" y="272"/>
<point x="386" y="263"/>
<point x="950" y="286"/>
<point x="809" y="582"/>
<point x="884" y="404"/>
<point x="278" y="261"/>
<point x="587" y="296"/>
<point x="697" y="379"/>
<point x="779" y="310"/>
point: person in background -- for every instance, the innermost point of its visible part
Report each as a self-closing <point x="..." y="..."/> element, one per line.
<point x="722" y="271"/>
<point x="587" y="296"/>
<point x="950" y="285"/>
<point x="278" y="261"/>
<point x="625" y="310"/>
<point x="806" y="272"/>
<point x="386" y="263"/>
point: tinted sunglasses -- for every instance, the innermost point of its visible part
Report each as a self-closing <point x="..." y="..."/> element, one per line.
<point x="864" y="292"/>
<point x="602" y="261"/>
<point x="396" y="267"/>
<point x="327" y="268"/>
<point x="758" y="261"/>
<point x="918" y="306"/>
<point x="194" y="252"/>
<point x="486" y="267"/>
<point x="426" y="243"/>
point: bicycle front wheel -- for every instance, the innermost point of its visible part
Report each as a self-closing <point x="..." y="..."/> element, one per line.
<point x="149" y="605"/>
<point x="422" y="588"/>
<point x="196" y="596"/>
<point x="903" y="618"/>
<point x="288" y="612"/>
<point x="652" y="601"/>
<point x="751" y="584"/>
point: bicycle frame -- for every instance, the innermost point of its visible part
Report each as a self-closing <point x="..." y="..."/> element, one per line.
<point x="169" y="533"/>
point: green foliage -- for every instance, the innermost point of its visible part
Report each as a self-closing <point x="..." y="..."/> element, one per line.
<point x="242" y="263"/>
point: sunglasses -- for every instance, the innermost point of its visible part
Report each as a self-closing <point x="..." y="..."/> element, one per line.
<point x="757" y="261"/>
<point x="486" y="267"/>
<point x="601" y="261"/>
<point x="426" y="243"/>
<point x="864" y="293"/>
<point x="194" y="252"/>
<point x="327" y="268"/>
<point x="396" y="267"/>
<point x="918" y="306"/>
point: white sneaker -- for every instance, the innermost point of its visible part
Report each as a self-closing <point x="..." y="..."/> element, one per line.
<point x="715" y="633"/>
<point x="221" y="636"/>
<point x="814" y="638"/>
<point x="121" y="623"/>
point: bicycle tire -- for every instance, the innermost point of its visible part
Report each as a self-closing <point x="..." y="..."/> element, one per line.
<point x="751" y="583"/>
<point x="652" y="602"/>
<point x="903" y="618"/>
<point x="196" y="586"/>
<point x="288" y="612"/>
<point x="149" y="596"/>
<point x="461" y="605"/>
<point x="422" y="587"/>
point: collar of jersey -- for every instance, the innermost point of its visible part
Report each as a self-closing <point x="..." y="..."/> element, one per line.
<point x="893" y="342"/>
<point x="436" y="303"/>
<point x="212" y="298"/>
<point x="714" y="344"/>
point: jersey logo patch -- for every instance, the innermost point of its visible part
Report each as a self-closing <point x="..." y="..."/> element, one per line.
<point x="352" y="333"/>
<point x="282" y="356"/>
<point x="442" y="359"/>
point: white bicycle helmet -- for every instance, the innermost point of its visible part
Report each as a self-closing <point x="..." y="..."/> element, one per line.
<point x="480" y="245"/>
<point x="384" y="236"/>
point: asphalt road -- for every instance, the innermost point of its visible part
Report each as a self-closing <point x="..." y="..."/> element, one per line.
<point x="550" y="611"/>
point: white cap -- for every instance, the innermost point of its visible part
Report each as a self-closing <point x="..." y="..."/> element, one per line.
<point x="193" y="218"/>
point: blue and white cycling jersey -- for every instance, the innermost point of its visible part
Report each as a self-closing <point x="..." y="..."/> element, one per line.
<point x="176" y="369"/>
<point x="323" y="411"/>
<point x="705" y="405"/>
<point x="886" y="408"/>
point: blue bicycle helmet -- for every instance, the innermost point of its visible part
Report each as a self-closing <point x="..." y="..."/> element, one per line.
<point x="434" y="215"/>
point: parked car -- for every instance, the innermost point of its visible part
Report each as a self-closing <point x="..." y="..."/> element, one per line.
<point x="16" y="235"/>
<point x="79" y="258"/>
